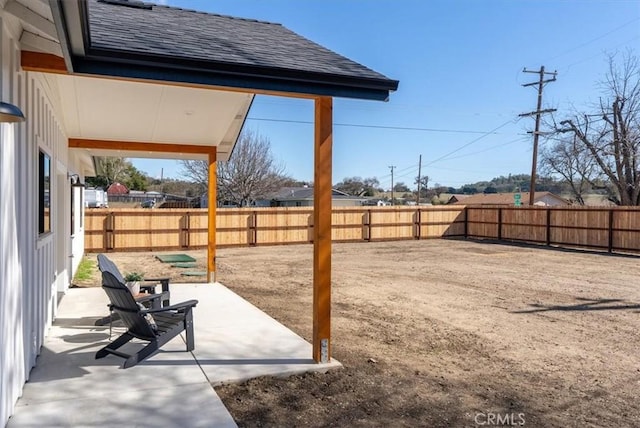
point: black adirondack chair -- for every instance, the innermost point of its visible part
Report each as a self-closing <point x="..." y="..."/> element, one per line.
<point x="167" y="322"/>
<point x="151" y="298"/>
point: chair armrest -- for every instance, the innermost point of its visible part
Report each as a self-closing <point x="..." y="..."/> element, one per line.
<point x="148" y="297"/>
<point x="163" y="281"/>
<point x="178" y="306"/>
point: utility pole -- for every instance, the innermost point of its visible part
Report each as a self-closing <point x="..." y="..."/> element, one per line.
<point x="392" y="168"/>
<point x="419" y="177"/>
<point x="541" y="81"/>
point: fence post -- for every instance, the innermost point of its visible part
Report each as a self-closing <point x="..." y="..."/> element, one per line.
<point x="417" y="223"/>
<point x="610" y="246"/>
<point x="365" y="226"/>
<point x="310" y="229"/>
<point x="253" y="229"/>
<point x="186" y="225"/>
<point x="499" y="224"/>
<point x="109" y="240"/>
<point x="466" y="222"/>
<point x="548" y="226"/>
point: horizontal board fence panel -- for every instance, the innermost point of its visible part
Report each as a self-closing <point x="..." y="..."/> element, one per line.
<point x="125" y="229"/>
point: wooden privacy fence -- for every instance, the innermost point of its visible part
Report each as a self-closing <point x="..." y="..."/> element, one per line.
<point x="603" y="228"/>
<point x="610" y="229"/>
<point x="167" y="229"/>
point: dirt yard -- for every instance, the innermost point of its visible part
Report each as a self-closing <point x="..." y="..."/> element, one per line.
<point x="445" y="333"/>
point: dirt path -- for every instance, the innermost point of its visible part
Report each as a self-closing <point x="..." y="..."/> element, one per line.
<point x="449" y="333"/>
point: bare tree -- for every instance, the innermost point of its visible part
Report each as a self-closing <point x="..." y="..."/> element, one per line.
<point x="568" y="158"/>
<point x="612" y="134"/>
<point x="197" y="171"/>
<point x="251" y="172"/>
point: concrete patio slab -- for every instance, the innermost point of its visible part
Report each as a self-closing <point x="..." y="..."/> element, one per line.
<point x="234" y="340"/>
<point x="233" y="346"/>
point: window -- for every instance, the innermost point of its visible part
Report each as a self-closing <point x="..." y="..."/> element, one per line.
<point x="44" y="193"/>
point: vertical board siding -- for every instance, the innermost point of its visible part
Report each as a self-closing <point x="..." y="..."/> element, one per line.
<point x="28" y="297"/>
<point x="12" y="369"/>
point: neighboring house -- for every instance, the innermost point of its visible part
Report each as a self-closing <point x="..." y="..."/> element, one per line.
<point x="117" y="189"/>
<point x="126" y="78"/>
<point x="303" y="197"/>
<point x="544" y="199"/>
<point x="448" y="198"/>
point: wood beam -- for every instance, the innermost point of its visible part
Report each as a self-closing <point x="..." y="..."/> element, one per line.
<point x="42" y="62"/>
<point x="322" y="199"/>
<point x="211" y="243"/>
<point x="135" y="146"/>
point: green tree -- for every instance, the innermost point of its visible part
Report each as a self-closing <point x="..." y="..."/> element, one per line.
<point x="117" y="170"/>
<point x="135" y="179"/>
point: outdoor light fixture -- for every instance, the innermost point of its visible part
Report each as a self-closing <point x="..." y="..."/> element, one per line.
<point x="10" y="113"/>
<point x="75" y="180"/>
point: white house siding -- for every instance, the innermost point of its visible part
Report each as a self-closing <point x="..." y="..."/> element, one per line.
<point x="33" y="269"/>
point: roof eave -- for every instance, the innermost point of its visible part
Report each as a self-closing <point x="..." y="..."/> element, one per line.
<point x="242" y="78"/>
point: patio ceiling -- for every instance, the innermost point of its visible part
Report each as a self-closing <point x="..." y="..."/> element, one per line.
<point x="116" y="110"/>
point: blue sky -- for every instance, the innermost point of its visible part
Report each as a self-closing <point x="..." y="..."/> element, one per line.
<point x="459" y="63"/>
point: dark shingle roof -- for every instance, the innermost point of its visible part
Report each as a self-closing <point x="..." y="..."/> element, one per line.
<point x="187" y="35"/>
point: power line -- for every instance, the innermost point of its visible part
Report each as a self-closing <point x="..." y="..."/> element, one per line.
<point x="471" y="142"/>
<point x="488" y="149"/>
<point x="413" y="168"/>
<point x="357" y="125"/>
<point x="588" y="42"/>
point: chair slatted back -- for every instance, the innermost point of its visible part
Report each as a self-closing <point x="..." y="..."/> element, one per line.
<point x="126" y="306"/>
<point x="105" y="264"/>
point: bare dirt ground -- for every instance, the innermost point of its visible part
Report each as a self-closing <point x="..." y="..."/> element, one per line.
<point x="445" y="333"/>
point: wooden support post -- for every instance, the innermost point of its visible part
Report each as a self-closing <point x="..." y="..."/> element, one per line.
<point x="322" y="229"/>
<point x="499" y="224"/>
<point x="211" y="242"/>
